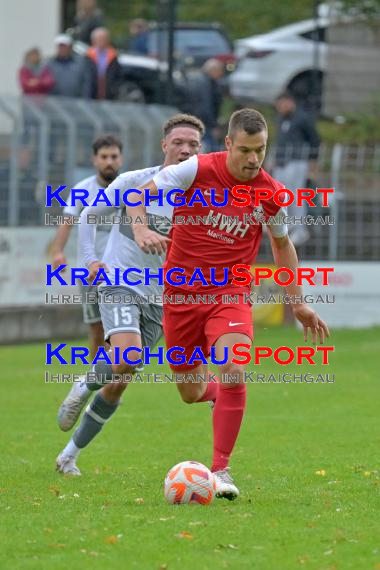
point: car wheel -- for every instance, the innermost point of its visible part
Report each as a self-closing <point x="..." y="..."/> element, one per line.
<point x="307" y="89"/>
<point x="131" y="93"/>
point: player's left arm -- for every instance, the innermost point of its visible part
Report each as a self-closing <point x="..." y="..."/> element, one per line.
<point x="285" y="255"/>
<point x="171" y="177"/>
<point x="148" y="240"/>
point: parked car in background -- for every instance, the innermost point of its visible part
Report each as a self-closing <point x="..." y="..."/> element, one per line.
<point x="290" y="58"/>
<point x="194" y="43"/>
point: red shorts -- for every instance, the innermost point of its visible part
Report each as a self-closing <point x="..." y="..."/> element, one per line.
<point x="200" y="325"/>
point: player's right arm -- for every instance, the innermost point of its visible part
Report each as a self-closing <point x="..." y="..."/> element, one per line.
<point x="87" y="231"/>
<point x="285" y="256"/>
<point x="177" y="176"/>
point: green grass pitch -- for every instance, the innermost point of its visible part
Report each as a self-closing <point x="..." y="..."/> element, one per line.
<point x="306" y="462"/>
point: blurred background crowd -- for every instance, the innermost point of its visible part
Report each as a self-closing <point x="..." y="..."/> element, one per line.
<point x="312" y="71"/>
<point x="321" y="54"/>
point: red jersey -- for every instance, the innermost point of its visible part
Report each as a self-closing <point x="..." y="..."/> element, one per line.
<point x="224" y="243"/>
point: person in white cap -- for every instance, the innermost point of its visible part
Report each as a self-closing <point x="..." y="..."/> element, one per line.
<point x="72" y="75"/>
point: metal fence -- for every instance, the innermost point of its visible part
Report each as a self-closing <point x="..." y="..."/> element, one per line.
<point x="354" y="173"/>
<point x="48" y="141"/>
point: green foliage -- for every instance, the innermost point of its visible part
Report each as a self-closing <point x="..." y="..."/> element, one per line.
<point x="370" y="9"/>
<point x="354" y="128"/>
<point x="240" y="18"/>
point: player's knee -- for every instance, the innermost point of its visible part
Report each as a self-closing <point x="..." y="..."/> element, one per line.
<point x="189" y="394"/>
<point x="232" y="373"/>
<point x="113" y="392"/>
<point x="123" y="368"/>
<point x="189" y="398"/>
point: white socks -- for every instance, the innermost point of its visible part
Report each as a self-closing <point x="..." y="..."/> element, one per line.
<point x="71" y="449"/>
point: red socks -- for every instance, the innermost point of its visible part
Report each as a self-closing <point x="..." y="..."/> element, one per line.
<point x="212" y="390"/>
<point x="227" y="417"/>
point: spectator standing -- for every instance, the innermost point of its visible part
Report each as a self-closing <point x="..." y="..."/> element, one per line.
<point x="71" y="72"/>
<point x="35" y="77"/>
<point x="296" y="156"/>
<point x="105" y="66"/>
<point x="138" y="42"/>
<point x="88" y="18"/>
<point x="207" y="97"/>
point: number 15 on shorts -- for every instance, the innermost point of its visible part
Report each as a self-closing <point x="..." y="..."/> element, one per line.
<point x="122" y="316"/>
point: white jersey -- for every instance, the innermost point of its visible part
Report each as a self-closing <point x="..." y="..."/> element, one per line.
<point x="121" y="250"/>
<point x="92" y="185"/>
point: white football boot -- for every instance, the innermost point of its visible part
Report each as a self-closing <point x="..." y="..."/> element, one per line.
<point x="66" y="464"/>
<point x="225" y="487"/>
<point x="73" y="404"/>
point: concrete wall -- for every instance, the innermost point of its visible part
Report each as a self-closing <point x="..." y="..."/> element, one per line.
<point x="24" y="24"/>
<point x="33" y="324"/>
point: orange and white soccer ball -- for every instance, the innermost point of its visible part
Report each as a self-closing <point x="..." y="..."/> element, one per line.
<point x="189" y="482"/>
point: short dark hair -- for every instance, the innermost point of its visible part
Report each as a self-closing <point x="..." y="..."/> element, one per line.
<point x="286" y="95"/>
<point x="183" y="120"/>
<point x="106" y="141"/>
<point x="248" y="120"/>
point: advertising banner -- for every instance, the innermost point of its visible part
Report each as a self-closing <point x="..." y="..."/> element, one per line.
<point x="23" y="258"/>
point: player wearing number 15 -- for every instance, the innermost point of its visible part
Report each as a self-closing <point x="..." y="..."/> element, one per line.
<point x="125" y="325"/>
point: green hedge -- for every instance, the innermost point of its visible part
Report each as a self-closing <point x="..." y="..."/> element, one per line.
<point x="240" y="18"/>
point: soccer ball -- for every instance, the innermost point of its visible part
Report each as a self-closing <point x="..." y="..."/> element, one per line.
<point x="189" y="482"/>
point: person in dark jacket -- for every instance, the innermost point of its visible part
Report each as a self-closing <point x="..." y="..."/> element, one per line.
<point x="105" y="66"/>
<point x="71" y="72"/>
<point x="207" y="97"/>
<point x="296" y="159"/>
<point x="35" y="77"/>
<point x="88" y="18"/>
<point x="139" y="36"/>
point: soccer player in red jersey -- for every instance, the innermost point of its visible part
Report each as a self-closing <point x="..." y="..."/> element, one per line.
<point x="221" y="245"/>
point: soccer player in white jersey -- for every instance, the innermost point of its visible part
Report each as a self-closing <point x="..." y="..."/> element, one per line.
<point x="125" y="324"/>
<point x="107" y="160"/>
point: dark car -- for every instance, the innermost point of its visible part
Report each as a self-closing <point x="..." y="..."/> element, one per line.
<point x="145" y="80"/>
<point x="194" y="43"/>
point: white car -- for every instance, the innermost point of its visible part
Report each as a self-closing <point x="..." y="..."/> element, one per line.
<point x="291" y="58"/>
